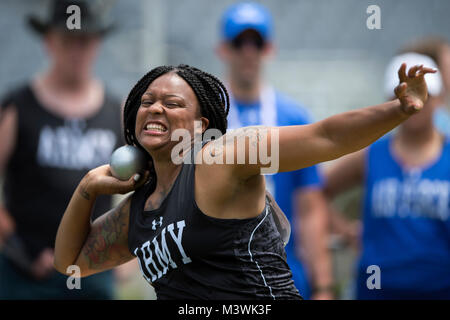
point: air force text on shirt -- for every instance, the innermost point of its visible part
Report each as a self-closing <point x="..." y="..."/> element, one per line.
<point x="414" y="198"/>
<point x="155" y="257"/>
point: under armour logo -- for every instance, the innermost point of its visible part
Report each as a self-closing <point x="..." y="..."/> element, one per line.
<point x="157" y="223"/>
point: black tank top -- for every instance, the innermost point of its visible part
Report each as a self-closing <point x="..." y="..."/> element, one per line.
<point x="50" y="158"/>
<point x="186" y="254"/>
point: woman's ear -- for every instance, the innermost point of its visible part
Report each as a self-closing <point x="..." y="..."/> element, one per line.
<point x="205" y="123"/>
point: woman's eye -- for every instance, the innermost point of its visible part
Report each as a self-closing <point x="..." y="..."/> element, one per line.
<point x="172" y="104"/>
<point x="146" y="103"/>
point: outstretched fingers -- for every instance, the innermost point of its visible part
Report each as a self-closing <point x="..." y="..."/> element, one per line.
<point x="402" y="73"/>
<point x="412" y="73"/>
<point x="427" y="70"/>
<point x="415" y="72"/>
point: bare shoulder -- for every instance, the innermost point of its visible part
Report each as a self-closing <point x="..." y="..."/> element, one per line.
<point x="238" y="150"/>
<point x="228" y="182"/>
<point x="213" y="176"/>
<point x="232" y="161"/>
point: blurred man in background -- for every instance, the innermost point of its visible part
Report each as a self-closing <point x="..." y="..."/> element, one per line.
<point x="53" y="129"/>
<point x="405" y="251"/>
<point x="246" y="32"/>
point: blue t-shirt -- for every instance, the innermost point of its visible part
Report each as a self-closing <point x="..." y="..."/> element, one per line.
<point x="282" y="185"/>
<point x="406" y="227"/>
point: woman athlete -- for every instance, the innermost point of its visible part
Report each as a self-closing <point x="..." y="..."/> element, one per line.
<point x="202" y="230"/>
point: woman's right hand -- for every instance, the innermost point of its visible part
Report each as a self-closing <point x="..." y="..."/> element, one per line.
<point x="100" y="181"/>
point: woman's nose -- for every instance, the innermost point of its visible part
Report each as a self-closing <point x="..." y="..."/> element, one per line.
<point x="156" y="108"/>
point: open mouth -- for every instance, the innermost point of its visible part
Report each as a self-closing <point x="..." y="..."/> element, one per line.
<point x="155" y="128"/>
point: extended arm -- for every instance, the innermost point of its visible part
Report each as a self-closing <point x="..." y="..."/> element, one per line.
<point x="296" y="147"/>
<point x="303" y="146"/>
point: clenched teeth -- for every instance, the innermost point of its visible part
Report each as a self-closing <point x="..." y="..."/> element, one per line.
<point x="154" y="126"/>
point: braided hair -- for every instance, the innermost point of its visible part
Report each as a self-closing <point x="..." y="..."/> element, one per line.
<point x="211" y="94"/>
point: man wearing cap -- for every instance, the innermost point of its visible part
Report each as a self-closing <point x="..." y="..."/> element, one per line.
<point x="246" y="32"/>
<point x="406" y="204"/>
<point x="54" y="129"/>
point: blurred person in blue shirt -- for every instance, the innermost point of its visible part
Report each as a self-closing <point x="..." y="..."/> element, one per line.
<point x="246" y="44"/>
<point x="405" y="241"/>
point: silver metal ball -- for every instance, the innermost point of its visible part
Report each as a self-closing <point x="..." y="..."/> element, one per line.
<point x="127" y="161"/>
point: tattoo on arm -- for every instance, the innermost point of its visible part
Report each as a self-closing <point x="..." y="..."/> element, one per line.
<point x="85" y="194"/>
<point x="254" y="134"/>
<point x="102" y="242"/>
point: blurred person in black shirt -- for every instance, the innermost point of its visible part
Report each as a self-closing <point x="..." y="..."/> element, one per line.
<point x="54" y="129"/>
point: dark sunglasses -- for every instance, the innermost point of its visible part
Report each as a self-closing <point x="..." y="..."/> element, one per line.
<point x="255" y="41"/>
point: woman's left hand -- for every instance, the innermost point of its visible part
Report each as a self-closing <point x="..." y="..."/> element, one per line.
<point x="412" y="90"/>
